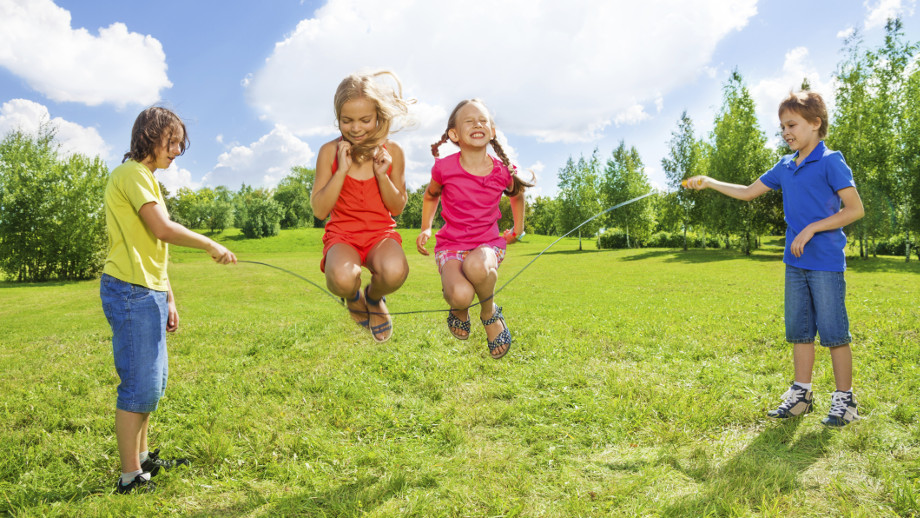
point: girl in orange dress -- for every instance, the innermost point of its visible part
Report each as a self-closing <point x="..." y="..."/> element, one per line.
<point x="360" y="185"/>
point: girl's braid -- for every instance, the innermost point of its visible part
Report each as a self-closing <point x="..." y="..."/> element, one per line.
<point x="436" y="145"/>
<point x="501" y="154"/>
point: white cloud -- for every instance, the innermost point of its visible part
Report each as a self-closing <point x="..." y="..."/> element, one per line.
<point x="882" y="10"/>
<point x="598" y="63"/>
<point x="38" y="44"/>
<point x="846" y="33"/>
<point x="27" y="116"/>
<point x="175" y="178"/>
<point x="770" y="91"/>
<point x="263" y="163"/>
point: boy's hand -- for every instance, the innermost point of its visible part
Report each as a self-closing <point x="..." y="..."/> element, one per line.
<point x="798" y="244"/>
<point x="220" y="253"/>
<point x="421" y="240"/>
<point x="172" y="319"/>
<point x="697" y="183"/>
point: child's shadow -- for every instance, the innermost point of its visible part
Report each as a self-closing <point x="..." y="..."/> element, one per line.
<point x="766" y="469"/>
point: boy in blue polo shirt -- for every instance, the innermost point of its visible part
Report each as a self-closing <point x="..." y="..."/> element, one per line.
<point x="814" y="181"/>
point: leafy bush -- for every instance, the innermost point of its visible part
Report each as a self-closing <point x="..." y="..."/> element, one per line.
<point x="261" y="217"/>
<point x="612" y="239"/>
<point x="52" y="219"/>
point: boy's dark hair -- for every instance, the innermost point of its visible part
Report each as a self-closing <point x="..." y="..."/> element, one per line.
<point x="150" y="128"/>
<point x="810" y="105"/>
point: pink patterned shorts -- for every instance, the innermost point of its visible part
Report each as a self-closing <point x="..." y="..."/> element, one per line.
<point x="459" y="255"/>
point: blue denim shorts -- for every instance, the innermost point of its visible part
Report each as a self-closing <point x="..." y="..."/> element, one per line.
<point x="138" y="318"/>
<point x="815" y="305"/>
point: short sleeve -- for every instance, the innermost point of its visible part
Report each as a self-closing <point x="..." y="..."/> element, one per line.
<point x="436" y="172"/>
<point x="772" y="177"/>
<point x="839" y="174"/>
<point x="139" y="190"/>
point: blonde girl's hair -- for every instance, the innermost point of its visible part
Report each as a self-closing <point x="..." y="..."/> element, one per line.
<point x="388" y="101"/>
<point x="518" y="184"/>
<point x="151" y="127"/>
<point x="810" y="105"/>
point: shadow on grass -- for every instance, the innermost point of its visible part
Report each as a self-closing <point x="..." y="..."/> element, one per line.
<point x="768" y="468"/>
<point x="357" y="498"/>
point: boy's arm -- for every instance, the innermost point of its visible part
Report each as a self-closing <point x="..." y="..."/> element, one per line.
<point x="165" y="229"/>
<point x="729" y="189"/>
<point x="172" y="320"/>
<point x="430" y="202"/>
<point x="852" y="210"/>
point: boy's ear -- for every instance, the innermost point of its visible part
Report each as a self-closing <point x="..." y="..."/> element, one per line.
<point x="452" y="134"/>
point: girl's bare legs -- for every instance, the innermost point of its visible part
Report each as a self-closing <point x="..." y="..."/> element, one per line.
<point x="343" y="278"/>
<point x="481" y="268"/>
<point x="842" y="360"/>
<point x="458" y="292"/>
<point x="803" y="361"/>
<point x="389" y="268"/>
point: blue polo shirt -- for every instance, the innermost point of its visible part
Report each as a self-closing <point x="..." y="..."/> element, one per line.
<point x="809" y="195"/>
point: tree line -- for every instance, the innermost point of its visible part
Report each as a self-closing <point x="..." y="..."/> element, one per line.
<point x="52" y="222"/>
<point x="875" y="124"/>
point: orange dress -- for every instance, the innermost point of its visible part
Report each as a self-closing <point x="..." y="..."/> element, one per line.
<point x="359" y="218"/>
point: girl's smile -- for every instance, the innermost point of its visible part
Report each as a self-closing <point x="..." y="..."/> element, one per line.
<point x="358" y="119"/>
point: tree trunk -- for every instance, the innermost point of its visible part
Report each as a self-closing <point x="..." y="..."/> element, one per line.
<point x="685" y="238"/>
<point x="627" y="237"/>
<point x="579" y="240"/>
<point x="907" y="246"/>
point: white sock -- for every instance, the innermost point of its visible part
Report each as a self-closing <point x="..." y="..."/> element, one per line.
<point x="806" y="386"/>
<point x="127" y="478"/>
<point x="849" y="390"/>
<point x="143" y="456"/>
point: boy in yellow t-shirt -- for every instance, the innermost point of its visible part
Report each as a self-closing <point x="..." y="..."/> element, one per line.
<point x="136" y="295"/>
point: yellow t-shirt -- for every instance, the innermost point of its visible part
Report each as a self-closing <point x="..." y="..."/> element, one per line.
<point x="135" y="254"/>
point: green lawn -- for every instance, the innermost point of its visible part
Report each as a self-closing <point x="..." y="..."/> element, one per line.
<point x="637" y="385"/>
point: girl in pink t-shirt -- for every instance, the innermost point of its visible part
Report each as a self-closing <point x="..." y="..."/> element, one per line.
<point x="469" y="186"/>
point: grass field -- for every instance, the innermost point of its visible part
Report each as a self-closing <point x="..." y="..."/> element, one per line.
<point x="637" y="385"/>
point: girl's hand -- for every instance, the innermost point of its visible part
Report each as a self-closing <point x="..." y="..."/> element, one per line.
<point x="697" y="183"/>
<point x="382" y="161"/>
<point x="172" y="319"/>
<point x="421" y="240"/>
<point x="510" y="236"/>
<point x="798" y="244"/>
<point x="343" y="150"/>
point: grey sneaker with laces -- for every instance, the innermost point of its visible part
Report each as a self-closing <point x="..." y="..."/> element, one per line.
<point x="843" y="409"/>
<point x="797" y="401"/>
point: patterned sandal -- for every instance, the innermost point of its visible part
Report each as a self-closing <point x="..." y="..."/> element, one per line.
<point x="454" y="323"/>
<point x="379" y="328"/>
<point x="503" y="338"/>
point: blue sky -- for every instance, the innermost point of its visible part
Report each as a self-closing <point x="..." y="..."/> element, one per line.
<point x="254" y="80"/>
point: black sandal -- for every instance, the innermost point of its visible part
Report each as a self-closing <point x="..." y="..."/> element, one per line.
<point x="379" y="328"/>
<point x="503" y="338"/>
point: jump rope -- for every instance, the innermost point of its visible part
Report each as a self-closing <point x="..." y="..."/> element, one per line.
<point x="341" y="301"/>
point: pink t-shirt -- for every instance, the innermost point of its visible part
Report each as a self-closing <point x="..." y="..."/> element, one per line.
<point x="469" y="204"/>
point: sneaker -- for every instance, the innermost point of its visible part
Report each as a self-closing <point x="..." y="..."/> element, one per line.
<point x="153" y="463"/>
<point x="843" y="409"/>
<point x="797" y="402"/>
<point x="138" y="485"/>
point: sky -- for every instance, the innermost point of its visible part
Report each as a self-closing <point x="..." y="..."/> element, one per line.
<point x="254" y="81"/>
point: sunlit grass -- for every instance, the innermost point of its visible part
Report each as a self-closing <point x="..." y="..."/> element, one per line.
<point x="637" y="385"/>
